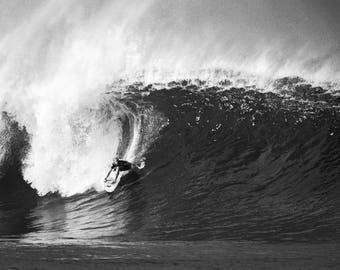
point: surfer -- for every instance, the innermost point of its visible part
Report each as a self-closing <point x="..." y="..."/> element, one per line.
<point x="122" y="165"/>
<point x="119" y="165"/>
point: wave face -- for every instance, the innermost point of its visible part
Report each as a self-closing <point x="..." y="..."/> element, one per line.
<point x="221" y="163"/>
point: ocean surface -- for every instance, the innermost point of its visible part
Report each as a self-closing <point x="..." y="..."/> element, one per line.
<point x="223" y="162"/>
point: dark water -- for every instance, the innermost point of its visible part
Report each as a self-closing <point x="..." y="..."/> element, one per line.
<point x="228" y="164"/>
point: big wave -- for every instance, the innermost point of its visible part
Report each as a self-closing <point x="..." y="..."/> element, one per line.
<point x="214" y="153"/>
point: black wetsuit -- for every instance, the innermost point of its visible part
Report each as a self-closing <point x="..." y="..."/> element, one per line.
<point x="123" y="165"/>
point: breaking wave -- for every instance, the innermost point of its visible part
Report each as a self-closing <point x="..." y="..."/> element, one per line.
<point x="221" y="163"/>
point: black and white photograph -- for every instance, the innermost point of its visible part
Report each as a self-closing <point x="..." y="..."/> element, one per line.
<point x="169" y="134"/>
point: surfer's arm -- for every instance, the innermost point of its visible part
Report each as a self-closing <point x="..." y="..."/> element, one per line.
<point x="117" y="174"/>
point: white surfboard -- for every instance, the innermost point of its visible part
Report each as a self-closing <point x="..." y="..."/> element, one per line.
<point x="112" y="180"/>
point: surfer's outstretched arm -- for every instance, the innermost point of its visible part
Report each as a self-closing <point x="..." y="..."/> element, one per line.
<point x="109" y="173"/>
<point x="118" y="171"/>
